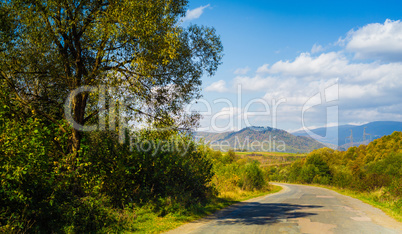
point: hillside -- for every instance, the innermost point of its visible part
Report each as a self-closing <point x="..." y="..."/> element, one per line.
<point x="374" y="130"/>
<point x="260" y="139"/>
<point x="373" y="170"/>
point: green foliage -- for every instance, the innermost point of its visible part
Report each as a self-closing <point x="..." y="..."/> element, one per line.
<point x="294" y="171"/>
<point x="321" y="170"/>
<point x="39" y="191"/>
<point x="342" y="177"/>
<point x="50" y="48"/>
<point x="43" y="190"/>
<point x="252" y="177"/>
<point x="31" y="171"/>
<point x="87" y="214"/>
<point x="229" y="157"/>
<point x="243" y="174"/>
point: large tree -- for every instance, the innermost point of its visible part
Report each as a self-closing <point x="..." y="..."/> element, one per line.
<point x="50" y="48"/>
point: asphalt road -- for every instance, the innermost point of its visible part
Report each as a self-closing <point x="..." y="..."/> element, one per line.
<point x="297" y="209"/>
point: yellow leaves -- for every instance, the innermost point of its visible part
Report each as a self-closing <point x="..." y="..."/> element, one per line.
<point x="165" y="61"/>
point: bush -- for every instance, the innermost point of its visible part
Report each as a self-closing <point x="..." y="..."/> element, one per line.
<point x="308" y="173"/>
<point x="31" y="184"/>
<point x="241" y="174"/>
<point x="87" y="214"/>
<point x="342" y="177"/>
<point x="252" y="177"/>
<point x="322" y="168"/>
<point x="154" y="168"/>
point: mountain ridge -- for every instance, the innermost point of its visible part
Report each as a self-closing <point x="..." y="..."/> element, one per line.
<point x="259" y="139"/>
<point x="374" y="130"/>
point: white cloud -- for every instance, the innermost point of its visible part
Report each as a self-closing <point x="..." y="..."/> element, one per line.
<point x="242" y="71"/>
<point x="377" y="41"/>
<point x="227" y="112"/>
<point x="316" y="49"/>
<point x="368" y="90"/>
<point x="218" y="86"/>
<point x="306" y="65"/>
<point x="194" y="14"/>
<point x="253" y="83"/>
<point x="356" y="78"/>
<point x="263" y="69"/>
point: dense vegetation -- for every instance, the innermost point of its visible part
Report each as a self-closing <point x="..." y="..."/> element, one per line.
<point x="39" y="192"/>
<point x="234" y="173"/>
<point x="375" y="168"/>
<point x="104" y="189"/>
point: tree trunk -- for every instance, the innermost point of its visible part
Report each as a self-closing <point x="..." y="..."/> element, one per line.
<point x="79" y="105"/>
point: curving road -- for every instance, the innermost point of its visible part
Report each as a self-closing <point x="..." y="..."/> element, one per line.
<point x="297" y="209"/>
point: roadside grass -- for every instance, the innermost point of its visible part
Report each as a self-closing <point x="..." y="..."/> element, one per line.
<point x="391" y="206"/>
<point x="146" y="220"/>
<point x="379" y="199"/>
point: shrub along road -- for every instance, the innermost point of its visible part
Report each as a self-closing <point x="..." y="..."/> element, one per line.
<point x="297" y="209"/>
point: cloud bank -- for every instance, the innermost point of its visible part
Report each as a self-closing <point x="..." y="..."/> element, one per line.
<point x="377" y="41"/>
<point x="368" y="69"/>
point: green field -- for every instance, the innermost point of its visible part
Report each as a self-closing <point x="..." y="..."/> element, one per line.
<point x="271" y="158"/>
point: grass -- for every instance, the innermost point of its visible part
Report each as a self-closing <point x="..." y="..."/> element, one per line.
<point x="270" y="158"/>
<point x="269" y="154"/>
<point x="147" y="221"/>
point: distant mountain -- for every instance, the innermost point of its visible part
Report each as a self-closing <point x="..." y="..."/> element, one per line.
<point x="374" y="130"/>
<point x="260" y="139"/>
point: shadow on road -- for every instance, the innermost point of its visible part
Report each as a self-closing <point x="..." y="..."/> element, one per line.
<point x="255" y="213"/>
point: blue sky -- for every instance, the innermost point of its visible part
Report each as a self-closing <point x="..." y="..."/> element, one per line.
<point x="288" y="52"/>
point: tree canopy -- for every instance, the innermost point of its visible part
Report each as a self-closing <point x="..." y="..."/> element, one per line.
<point x="140" y="48"/>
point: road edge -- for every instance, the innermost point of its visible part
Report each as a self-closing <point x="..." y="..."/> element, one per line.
<point x="394" y="224"/>
<point x="193" y="225"/>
